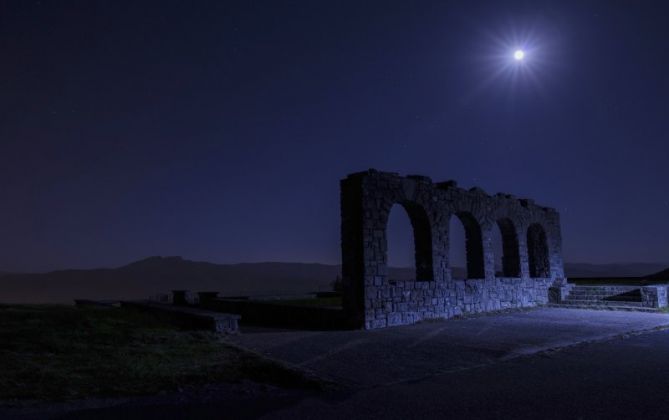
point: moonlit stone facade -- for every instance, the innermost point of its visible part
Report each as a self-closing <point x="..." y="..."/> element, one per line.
<point x="532" y="258"/>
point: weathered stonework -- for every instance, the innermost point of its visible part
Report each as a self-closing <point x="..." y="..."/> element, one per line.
<point x="654" y="296"/>
<point x="532" y="260"/>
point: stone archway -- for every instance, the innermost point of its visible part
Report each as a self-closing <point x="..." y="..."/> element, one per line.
<point x="422" y="238"/>
<point x="473" y="245"/>
<point x="510" y="248"/>
<point x="532" y="262"/>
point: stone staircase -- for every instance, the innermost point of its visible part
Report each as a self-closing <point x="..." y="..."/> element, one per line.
<point x="621" y="298"/>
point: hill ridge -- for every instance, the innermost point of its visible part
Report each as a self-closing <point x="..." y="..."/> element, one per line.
<point x="157" y="274"/>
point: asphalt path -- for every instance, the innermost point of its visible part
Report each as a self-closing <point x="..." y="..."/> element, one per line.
<point x="622" y="378"/>
<point x="544" y="363"/>
<point x="360" y="359"/>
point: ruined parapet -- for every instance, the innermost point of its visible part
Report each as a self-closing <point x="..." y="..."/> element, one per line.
<point x="532" y="259"/>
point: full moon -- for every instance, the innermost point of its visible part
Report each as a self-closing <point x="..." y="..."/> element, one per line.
<point x="519" y="55"/>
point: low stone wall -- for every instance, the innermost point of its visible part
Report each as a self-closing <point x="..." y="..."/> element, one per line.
<point x="405" y="302"/>
<point x="281" y="315"/>
<point x="187" y="317"/>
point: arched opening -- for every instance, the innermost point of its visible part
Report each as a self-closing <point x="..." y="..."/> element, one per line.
<point x="473" y="249"/>
<point x="505" y="247"/>
<point x="409" y="242"/>
<point x="457" y="251"/>
<point x="537" y="251"/>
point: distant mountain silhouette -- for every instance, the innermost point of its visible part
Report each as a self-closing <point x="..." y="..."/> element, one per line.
<point x="156" y="275"/>
<point x="660" y="275"/>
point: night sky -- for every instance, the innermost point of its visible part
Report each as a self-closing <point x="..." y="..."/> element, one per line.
<point x="219" y="130"/>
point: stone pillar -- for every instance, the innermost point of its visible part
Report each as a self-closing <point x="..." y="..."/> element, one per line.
<point x="654" y="296"/>
<point x="440" y="249"/>
<point x="554" y="233"/>
<point x="488" y="252"/>
<point x="353" y="244"/>
<point x="559" y="292"/>
<point x="522" y="253"/>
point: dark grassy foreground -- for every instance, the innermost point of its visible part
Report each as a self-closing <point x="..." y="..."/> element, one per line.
<point x="59" y="352"/>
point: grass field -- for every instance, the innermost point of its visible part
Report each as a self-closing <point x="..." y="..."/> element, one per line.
<point x="60" y="352"/>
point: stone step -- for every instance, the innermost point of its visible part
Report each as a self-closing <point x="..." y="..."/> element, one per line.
<point x="606" y="295"/>
<point x="605" y="307"/>
<point x="606" y="289"/>
<point x="601" y="294"/>
<point x="570" y="301"/>
<point x="606" y="298"/>
<point x="575" y="290"/>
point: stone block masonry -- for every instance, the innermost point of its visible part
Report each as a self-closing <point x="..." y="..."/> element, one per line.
<point x="654" y="296"/>
<point x="531" y="242"/>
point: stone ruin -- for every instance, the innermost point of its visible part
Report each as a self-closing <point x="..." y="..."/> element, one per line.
<point x="532" y="264"/>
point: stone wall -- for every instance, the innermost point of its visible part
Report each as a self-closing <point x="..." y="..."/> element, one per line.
<point x="654" y="296"/>
<point x="270" y="313"/>
<point x="532" y="260"/>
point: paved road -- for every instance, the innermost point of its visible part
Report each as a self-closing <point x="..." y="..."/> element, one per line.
<point x="391" y="355"/>
<point x="619" y="379"/>
<point x="547" y="363"/>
